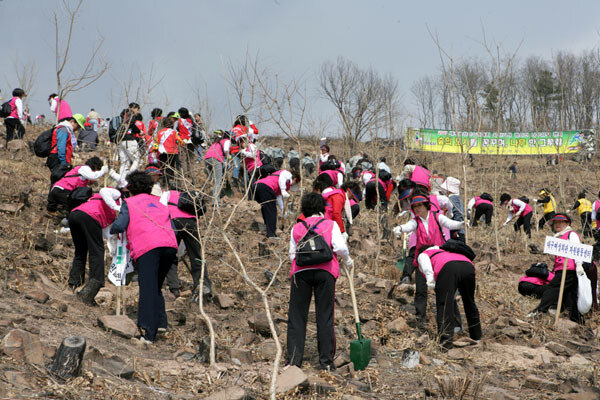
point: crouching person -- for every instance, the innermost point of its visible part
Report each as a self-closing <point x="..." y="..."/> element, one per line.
<point x="318" y="278"/>
<point x="88" y="222"/>
<point x="535" y="281"/>
<point x="446" y="272"/>
<point x="153" y="249"/>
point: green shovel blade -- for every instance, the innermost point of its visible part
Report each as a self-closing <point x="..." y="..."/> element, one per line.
<point x="360" y="351"/>
<point x="401" y="262"/>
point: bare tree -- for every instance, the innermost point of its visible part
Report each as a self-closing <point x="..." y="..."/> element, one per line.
<point x="26" y="75"/>
<point x="424" y="93"/>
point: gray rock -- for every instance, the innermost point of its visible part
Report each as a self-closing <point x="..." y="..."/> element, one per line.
<point x="260" y="324"/>
<point x="224" y="301"/>
<point x="231" y="393"/>
<point x="243" y="355"/>
<point x="122" y="325"/>
<point x="410" y="358"/>
<point x="23" y="347"/>
<point x="290" y="378"/>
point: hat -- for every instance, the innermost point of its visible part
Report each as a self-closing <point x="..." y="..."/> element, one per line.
<point x="418" y="200"/>
<point x="451" y="185"/>
<point x="405" y="193"/>
<point x="153" y="170"/>
<point x="561" y="217"/>
<point x="87" y="125"/>
<point x="80" y="119"/>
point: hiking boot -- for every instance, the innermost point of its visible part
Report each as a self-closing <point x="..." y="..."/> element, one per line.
<point x="89" y="292"/>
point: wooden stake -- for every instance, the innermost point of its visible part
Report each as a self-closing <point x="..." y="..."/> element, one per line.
<point x="118" y="300"/>
<point x="562" y="289"/>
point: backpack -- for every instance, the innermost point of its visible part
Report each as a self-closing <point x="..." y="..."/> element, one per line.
<point x="191" y="202"/>
<point x="384" y="175"/>
<point x="312" y="249"/>
<point x="538" y="270"/>
<point x="458" y="247"/>
<point x="113" y="128"/>
<point x="5" y="109"/>
<point x="524" y="199"/>
<point x="265" y="159"/>
<point x="42" y="146"/>
<point x="78" y="196"/>
<point x="266" y="170"/>
<point x="59" y="172"/>
<point x="197" y="135"/>
<point x="486" y="196"/>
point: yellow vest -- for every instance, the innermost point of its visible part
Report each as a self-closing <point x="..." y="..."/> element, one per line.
<point x="584" y="206"/>
<point x="550" y="206"/>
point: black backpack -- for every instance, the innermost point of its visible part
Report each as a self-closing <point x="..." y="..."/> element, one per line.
<point x="312" y="249"/>
<point x="384" y="175"/>
<point x="266" y="170"/>
<point x="59" y="172"/>
<point x="191" y="202"/>
<point x="524" y="199"/>
<point x="42" y="146"/>
<point x="197" y="135"/>
<point x="78" y="196"/>
<point x="5" y="109"/>
<point x="538" y="270"/>
<point x="458" y="247"/>
<point x="486" y="196"/>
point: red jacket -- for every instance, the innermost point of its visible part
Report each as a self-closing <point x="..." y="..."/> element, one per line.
<point x="336" y="200"/>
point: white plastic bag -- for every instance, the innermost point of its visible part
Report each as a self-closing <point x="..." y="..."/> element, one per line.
<point x="121" y="263"/>
<point x="584" y="294"/>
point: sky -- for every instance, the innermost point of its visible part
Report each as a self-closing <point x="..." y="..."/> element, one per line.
<point x="189" y="44"/>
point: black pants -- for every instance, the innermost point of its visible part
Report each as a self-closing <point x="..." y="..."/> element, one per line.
<point x="186" y="229"/>
<point x="52" y="162"/>
<point x="58" y="198"/>
<point x="586" y="223"/>
<point x="170" y="165"/>
<point x="550" y="296"/>
<point x="303" y="284"/>
<point x="309" y="168"/>
<point x="371" y="195"/>
<point x="277" y="162"/>
<point x="456" y="275"/>
<point x="14" y="129"/>
<point x="525" y="222"/>
<point x="267" y="199"/>
<point x="355" y="208"/>
<point x="294" y="164"/>
<point x="87" y="238"/>
<point x="531" y="289"/>
<point x="547" y="217"/>
<point x="486" y="210"/>
<point x="152" y="269"/>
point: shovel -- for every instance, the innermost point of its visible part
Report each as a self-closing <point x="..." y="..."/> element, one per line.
<point x="402" y="261"/>
<point x="360" y="349"/>
<point x="227" y="191"/>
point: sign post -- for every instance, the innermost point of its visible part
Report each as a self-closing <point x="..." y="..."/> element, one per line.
<point x="567" y="250"/>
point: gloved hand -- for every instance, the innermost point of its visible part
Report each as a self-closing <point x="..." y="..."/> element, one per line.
<point x="504" y="224"/>
<point x="430" y="282"/>
<point x="187" y="141"/>
<point x="285" y="194"/>
<point x="397" y="231"/>
<point x="345" y="235"/>
<point x="349" y="262"/>
<point x="104" y="169"/>
<point x="579" y="270"/>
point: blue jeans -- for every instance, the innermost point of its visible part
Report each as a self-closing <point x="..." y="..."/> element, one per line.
<point x="94" y="123"/>
<point x="198" y="152"/>
<point x="235" y="174"/>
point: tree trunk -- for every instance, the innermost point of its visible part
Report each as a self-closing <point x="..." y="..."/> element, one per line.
<point x="68" y="358"/>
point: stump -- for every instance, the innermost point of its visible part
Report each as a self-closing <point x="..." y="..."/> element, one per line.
<point x="263" y="250"/>
<point x="68" y="358"/>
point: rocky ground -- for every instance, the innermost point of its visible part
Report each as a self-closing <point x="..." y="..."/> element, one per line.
<point x="518" y="358"/>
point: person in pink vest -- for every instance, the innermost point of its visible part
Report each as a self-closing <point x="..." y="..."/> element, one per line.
<point x="79" y="176"/>
<point x="323" y="157"/>
<point x="420" y="175"/>
<point x="379" y="190"/>
<point x="215" y="159"/>
<point x="251" y="154"/>
<point x="535" y="281"/>
<point x="153" y="248"/>
<point x="14" y="122"/>
<point x="596" y="212"/>
<point x="59" y="107"/>
<point x="270" y="191"/>
<point x="447" y="272"/>
<point x="561" y="225"/>
<point x="186" y="228"/>
<point x="318" y="279"/>
<point x="518" y="209"/>
<point x="484" y="207"/>
<point x="332" y="170"/>
<point x="354" y="195"/>
<point x="336" y="202"/>
<point x="88" y="222"/>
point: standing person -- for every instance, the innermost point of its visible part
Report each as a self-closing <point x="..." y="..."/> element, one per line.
<point x="308" y="164"/>
<point x="451" y="188"/>
<point x="60" y="107"/>
<point x="446" y="273"/>
<point x="128" y="148"/>
<point x="596" y="212"/>
<point x="154" y="124"/>
<point x="239" y="129"/>
<point x="14" y="122"/>
<point x="561" y="225"/>
<point x="484" y="207"/>
<point x="185" y="128"/>
<point x="323" y="156"/>
<point x="584" y="209"/>
<point x="512" y="170"/>
<point x="93" y="118"/>
<point x="320" y="279"/>
<point x="202" y="136"/>
<point x="61" y="142"/>
<point x="168" y="142"/>
<point x="293" y="158"/>
<point x="548" y="203"/>
<point x="153" y="249"/>
<point x="517" y="209"/>
<point x="270" y="191"/>
<point x="153" y="127"/>
<point x="336" y="202"/>
<point x="214" y="159"/>
<point x="251" y="154"/>
<point x="88" y="222"/>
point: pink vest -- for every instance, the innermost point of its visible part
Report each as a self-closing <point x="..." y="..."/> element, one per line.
<point x="64" y="111"/>
<point x="537" y="281"/>
<point x="96" y="208"/>
<point x="216" y="151"/>
<point x="479" y="200"/>
<point x="597" y="208"/>
<point x="515" y="209"/>
<point x="174" y="211"/>
<point x="324" y="229"/>
<point x="329" y="207"/>
<point x="14" y="113"/>
<point x="71" y="180"/>
<point x="272" y="181"/>
<point x="333" y="175"/>
<point x="421" y="176"/>
<point x="435" y="236"/>
<point x="251" y="163"/>
<point x="439" y="258"/>
<point x="149" y="225"/>
<point x="558" y="261"/>
<point x="352" y="202"/>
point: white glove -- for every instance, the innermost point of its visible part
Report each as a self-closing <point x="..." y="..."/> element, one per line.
<point x="104" y="169"/>
<point x="187" y="141"/>
<point x="345" y="236"/>
<point x="535" y="200"/>
<point x="504" y="224"/>
<point x="397" y="231"/>
<point x="579" y="270"/>
<point x="285" y="194"/>
<point x="430" y="282"/>
<point x="349" y="262"/>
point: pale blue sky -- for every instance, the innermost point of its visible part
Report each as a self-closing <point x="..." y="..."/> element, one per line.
<point x="188" y="41"/>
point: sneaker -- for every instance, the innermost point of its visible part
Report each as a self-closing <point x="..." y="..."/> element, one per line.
<point x="405" y="279"/>
<point x="457" y="330"/>
<point x="532" y="314"/>
<point x="161" y="330"/>
<point x="143" y="340"/>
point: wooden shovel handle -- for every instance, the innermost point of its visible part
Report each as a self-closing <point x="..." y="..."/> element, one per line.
<point x="350" y="274"/>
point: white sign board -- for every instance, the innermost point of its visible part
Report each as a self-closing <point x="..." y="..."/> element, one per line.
<point x="564" y="248"/>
